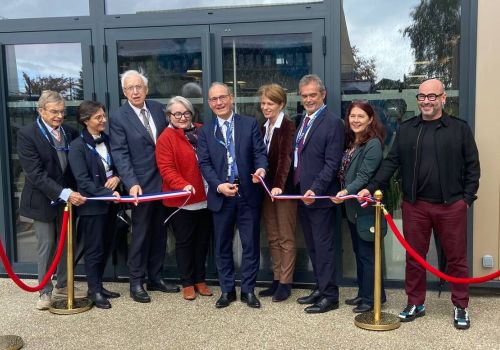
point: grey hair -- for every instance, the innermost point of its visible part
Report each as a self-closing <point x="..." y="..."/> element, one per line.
<point x="132" y="72"/>
<point x="218" y="83"/>
<point x="183" y="101"/>
<point x="49" y="96"/>
<point x="312" y="78"/>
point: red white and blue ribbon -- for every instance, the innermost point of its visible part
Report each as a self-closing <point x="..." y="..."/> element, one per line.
<point x="364" y="200"/>
<point x="142" y="198"/>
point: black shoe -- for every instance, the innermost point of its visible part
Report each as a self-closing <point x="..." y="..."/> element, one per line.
<point x="354" y="301"/>
<point x="362" y="308"/>
<point x="109" y="294"/>
<point x="100" y="301"/>
<point x="283" y="292"/>
<point x="163" y="286"/>
<point x="225" y="299"/>
<point x="311" y="298"/>
<point x="323" y="305"/>
<point x="269" y="291"/>
<point x="250" y="299"/>
<point x="139" y="294"/>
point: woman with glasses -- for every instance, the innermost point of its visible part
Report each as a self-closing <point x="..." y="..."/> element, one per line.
<point x="279" y="216"/>
<point x="365" y="136"/>
<point x="95" y="174"/>
<point x="192" y="224"/>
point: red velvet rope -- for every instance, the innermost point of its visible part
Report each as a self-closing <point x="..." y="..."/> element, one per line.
<point x="431" y="268"/>
<point x="52" y="267"/>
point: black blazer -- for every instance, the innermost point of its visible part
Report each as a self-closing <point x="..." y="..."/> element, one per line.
<point x="89" y="174"/>
<point x="44" y="176"/>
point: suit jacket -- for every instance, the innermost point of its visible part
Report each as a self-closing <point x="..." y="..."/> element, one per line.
<point x="90" y="176"/>
<point x="364" y="164"/>
<point x="132" y="148"/>
<point x="321" y="156"/>
<point x="280" y="156"/>
<point x="250" y="156"/>
<point x="44" y="176"/>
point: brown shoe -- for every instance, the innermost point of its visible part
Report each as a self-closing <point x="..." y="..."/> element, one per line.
<point x="188" y="293"/>
<point x="203" y="289"/>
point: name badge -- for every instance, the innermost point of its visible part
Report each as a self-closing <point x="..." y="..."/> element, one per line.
<point x="295" y="157"/>
<point x="109" y="174"/>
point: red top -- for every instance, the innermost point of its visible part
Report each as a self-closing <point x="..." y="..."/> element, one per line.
<point x="178" y="166"/>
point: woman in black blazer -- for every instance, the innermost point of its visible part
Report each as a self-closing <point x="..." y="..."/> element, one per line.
<point x="95" y="175"/>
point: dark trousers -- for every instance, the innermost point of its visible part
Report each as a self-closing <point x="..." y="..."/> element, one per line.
<point x="98" y="235"/>
<point x="148" y="246"/>
<point x="235" y="210"/>
<point x="317" y="225"/>
<point x="364" y="252"/>
<point x="192" y="231"/>
<point x="450" y="224"/>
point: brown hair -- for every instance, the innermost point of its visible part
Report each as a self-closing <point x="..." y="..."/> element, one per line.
<point x="274" y="92"/>
<point x="374" y="129"/>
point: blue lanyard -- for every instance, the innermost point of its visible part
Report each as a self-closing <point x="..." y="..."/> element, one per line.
<point x="93" y="150"/>
<point x="44" y="133"/>
<point x="227" y="143"/>
<point x="303" y="132"/>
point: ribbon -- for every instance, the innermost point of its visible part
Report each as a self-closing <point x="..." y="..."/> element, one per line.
<point x="142" y="198"/>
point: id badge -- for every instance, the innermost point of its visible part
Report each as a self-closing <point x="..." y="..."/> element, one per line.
<point x="109" y="174"/>
<point x="295" y="157"/>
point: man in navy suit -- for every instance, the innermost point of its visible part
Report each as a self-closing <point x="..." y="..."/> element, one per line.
<point x="43" y="154"/>
<point x="319" y="144"/>
<point x="230" y="149"/>
<point x="134" y="129"/>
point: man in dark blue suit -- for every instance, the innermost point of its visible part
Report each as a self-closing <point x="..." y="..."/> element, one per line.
<point x="319" y="144"/>
<point x="230" y="149"/>
<point x="134" y="129"/>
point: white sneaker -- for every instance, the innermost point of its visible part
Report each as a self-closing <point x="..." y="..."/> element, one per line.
<point x="63" y="292"/>
<point x="44" y="302"/>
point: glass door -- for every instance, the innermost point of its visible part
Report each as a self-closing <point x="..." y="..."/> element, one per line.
<point x="31" y="63"/>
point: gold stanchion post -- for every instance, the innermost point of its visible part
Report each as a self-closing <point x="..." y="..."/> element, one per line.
<point x="11" y="342"/>
<point x="376" y="320"/>
<point x="70" y="305"/>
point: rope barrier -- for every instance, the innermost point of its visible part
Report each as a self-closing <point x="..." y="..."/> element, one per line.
<point x="52" y="268"/>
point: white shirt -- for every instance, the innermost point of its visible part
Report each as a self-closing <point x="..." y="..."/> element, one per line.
<point x="312" y="117"/>
<point x="269" y="134"/>
<point x="148" y="115"/>
<point x="103" y="152"/>
<point x="223" y="126"/>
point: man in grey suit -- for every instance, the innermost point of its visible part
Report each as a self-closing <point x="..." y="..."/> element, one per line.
<point x="43" y="154"/>
<point x="134" y="129"/>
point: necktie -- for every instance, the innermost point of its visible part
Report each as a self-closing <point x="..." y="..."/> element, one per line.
<point x="296" y="174"/>
<point x="57" y="134"/>
<point x="231" y="152"/>
<point x="145" y="121"/>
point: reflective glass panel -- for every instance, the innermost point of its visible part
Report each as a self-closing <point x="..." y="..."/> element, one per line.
<point x="388" y="48"/>
<point x="42" y="9"/>
<point x="115" y="7"/>
<point x="30" y="70"/>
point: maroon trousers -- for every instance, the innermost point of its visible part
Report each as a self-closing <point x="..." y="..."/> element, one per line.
<point x="450" y="224"/>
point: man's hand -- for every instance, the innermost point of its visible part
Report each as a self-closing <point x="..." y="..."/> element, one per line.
<point x="339" y="194"/>
<point x="112" y="182"/>
<point x="308" y="201"/>
<point x="135" y="191"/>
<point x="117" y="195"/>
<point x="227" y="189"/>
<point x="76" y="198"/>
<point x="276" y="191"/>
<point x="189" y="188"/>
<point x="363" y="193"/>
<point x="259" y="172"/>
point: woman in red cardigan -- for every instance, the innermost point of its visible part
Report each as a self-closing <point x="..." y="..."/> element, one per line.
<point x="192" y="225"/>
<point x="279" y="216"/>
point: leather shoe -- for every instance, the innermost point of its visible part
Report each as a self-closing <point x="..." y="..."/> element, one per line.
<point x="225" y="299"/>
<point x="203" y="289"/>
<point x="250" y="299"/>
<point x="323" y="305"/>
<point x="188" y="293"/>
<point x="268" y="292"/>
<point x="100" y="301"/>
<point x="362" y="308"/>
<point x="109" y="294"/>
<point x="283" y="292"/>
<point x="163" y="286"/>
<point x="311" y="298"/>
<point x="139" y="294"/>
<point x="354" y="301"/>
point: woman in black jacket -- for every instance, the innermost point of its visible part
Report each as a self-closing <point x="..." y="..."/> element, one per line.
<point x="92" y="166"/>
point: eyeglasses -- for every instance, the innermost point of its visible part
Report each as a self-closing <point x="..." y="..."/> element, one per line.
<point x="132" y="88"/>
<point x="179" y="115"/>
<point x="314" y="95"/>
<point x="222" y="98"/>
<point x="99" y="117"/>
<point x="430" y="97"/>
<point x="56" y="112"/>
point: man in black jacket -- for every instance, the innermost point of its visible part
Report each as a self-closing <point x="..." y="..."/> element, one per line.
<point x="439" y="164"/>
<point x="42" y="148"/>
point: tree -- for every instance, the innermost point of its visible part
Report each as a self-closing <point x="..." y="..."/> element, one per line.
<point x="364" y="68"/>
<point x="35" y="86"/>
<point x="435" y="38"/>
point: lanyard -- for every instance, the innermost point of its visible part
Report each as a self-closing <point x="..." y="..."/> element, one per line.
<point x="226" y="143"/>
<point x="44" y="133"/>
<point x="94" y="150"/>
<point x="304" y="131"/>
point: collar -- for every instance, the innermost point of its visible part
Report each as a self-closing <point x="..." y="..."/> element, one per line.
<point x="279" y="120"/>
<point x="317" y="112"/>
<point x="49" y="128"/>
<point x="221" y="121"/>
<point x="138" y="110"/>
<point x="444" y="120"/>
